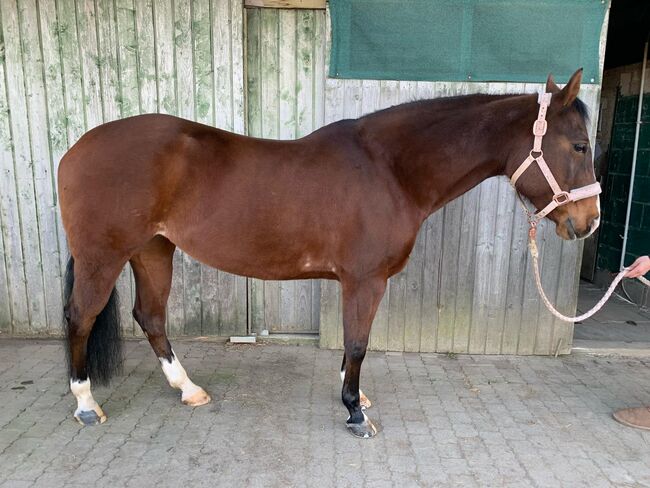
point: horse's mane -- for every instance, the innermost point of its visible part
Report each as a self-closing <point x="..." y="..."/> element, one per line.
<point x="578" y="105"/>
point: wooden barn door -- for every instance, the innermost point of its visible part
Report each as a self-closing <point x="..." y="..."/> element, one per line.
<point x="285" y="86"/>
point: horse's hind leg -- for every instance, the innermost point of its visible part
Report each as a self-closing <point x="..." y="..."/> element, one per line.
<point x="152" y="267"/>
<point x="364" y="401"/>
<point x="92" y="331"/>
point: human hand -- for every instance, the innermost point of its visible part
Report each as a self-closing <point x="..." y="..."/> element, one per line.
<point x="639" y="267"/>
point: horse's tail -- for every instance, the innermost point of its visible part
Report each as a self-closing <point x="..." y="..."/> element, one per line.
<point x="104" y="349"/>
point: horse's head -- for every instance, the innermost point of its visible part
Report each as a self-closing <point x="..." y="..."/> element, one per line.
<point x="567" y="152"/>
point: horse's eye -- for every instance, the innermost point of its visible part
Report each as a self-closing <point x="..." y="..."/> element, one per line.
<point x="582" y="148"/>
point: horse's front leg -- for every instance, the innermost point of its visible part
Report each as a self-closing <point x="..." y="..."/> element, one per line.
<point x="360" y="301"/>
<point x="363" y="399"/>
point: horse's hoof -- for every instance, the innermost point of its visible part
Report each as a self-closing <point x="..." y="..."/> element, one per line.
<point x="90" y="417"/>
<point x="364" y="430"/>
<point x="197" y="399"/>
<point x="364" y="401"/>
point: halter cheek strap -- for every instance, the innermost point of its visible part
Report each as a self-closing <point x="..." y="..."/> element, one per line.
<point x="560" y="197"/>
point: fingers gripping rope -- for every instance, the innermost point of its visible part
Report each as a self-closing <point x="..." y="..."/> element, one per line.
<point x="532" y="245"/>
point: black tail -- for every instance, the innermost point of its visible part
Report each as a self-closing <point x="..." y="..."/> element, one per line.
<point x="104" y="349"/>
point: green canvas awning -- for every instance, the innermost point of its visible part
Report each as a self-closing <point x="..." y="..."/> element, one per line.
<point x="466" y="40"/>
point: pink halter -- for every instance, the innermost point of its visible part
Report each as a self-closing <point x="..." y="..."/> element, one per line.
<point x="560" y="197"/>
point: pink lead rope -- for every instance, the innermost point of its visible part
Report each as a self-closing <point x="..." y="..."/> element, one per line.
<point x="560" y="197"/>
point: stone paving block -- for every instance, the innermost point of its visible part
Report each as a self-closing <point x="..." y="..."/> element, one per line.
<point x="276" y="420"/>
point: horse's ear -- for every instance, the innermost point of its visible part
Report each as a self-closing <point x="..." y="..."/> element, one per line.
<point x="551" y="87"/>
<point x="570" y="92"/>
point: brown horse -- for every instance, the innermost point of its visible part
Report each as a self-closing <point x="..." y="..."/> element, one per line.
<point x="343" y="203"/>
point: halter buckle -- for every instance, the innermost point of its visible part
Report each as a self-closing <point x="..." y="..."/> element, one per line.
<point x="539" y="153"/>
<point x="539" y="127"/>
<point x="562" y="198"/>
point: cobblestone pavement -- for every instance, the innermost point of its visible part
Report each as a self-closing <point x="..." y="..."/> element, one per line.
<point x="276" y="420"/>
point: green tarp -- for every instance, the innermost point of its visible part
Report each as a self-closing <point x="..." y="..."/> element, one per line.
<point x="466" y="40"/>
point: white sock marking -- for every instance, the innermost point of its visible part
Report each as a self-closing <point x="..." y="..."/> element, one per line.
<point x="177" y="377"/>
<point x="85" y="400"/>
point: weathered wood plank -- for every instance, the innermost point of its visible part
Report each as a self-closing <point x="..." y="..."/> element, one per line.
<point x="330" y="315"/>
<point x="221" y="61"/>
<point x="127" y="51"/>
<point x="320" y="67"/>
<point x="465" y="270"/>
<point x="23" y="172"/>
<point x="256" y="82"/>
<point x="74" y="121"/>
<point x="499" y="276"/>
<point x="90" y="64"/>
<point x="452" y="214"/>
<point x="164" y="46"/>
<point x="146" y="56"/>
<point x="69" y="44"/>
<point x="530" y="307"/>
<point x="371" y="102"/>
<point x="414" y="294"/>
<point x="254" y="78"/>
<point x="124" y="75"/>
<point x="287" y="123"/>
<point x="567" y="297"/>
<point x="205" y="112"/>
<point x="56" y="109"/>
<point x="11" y="262"/>
<point x="431" y="282"/>
<point x="227" y="39"/>
<point x="158" y="94"/>
<point x="270" y="101"/>
<point x="14" y="313"/>
<point x="549" y="270"/>
<point x="305" y="290"/>
<point x="111" y="109"/>
<point x="183" y="76"/>
<point x="484" y="262"/>
<point x="5" y="307"/>
<point x="331" y="324"/>
<point x="237" y="66"/>
<point x="41" y="163"/>
<point x="202" y="62"/>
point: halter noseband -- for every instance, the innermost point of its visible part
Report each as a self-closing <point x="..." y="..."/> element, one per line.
<point x="560" y="197"/>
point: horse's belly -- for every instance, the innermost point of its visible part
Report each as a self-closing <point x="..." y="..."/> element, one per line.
<point x="255" y="259"/>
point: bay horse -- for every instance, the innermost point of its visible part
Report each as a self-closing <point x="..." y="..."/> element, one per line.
<point x="343" y="203"/>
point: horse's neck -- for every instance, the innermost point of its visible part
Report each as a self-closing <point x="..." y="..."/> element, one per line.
<point x="441" y="149"/>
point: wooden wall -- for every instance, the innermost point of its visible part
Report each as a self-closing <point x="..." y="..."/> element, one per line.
<point x="69" y="65"/>
<point x="468" y="286"/>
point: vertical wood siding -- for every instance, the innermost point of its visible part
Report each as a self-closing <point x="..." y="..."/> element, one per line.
<point x="286" y="73"/>
<point x="69" y="65"/>
<point x="468" y="286"/>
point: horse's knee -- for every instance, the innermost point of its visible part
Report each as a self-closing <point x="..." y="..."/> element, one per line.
<point x="355" y="350"/>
